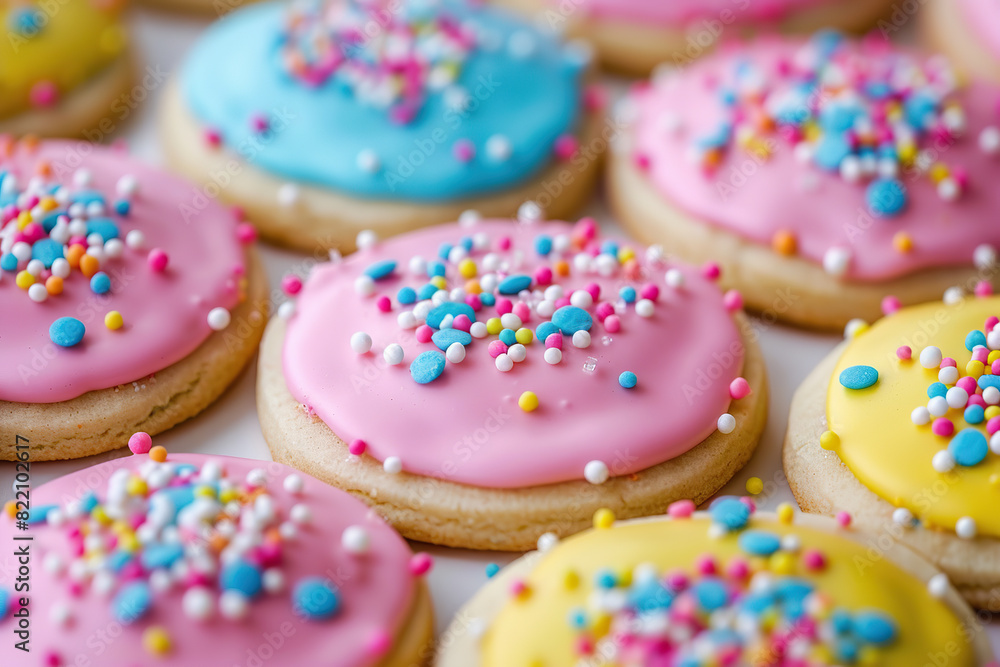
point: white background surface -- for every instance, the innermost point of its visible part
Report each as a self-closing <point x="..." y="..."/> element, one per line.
<point x="231" y="427"/>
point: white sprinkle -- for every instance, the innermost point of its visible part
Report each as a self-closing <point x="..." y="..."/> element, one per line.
<point x="966" y="528"/>
<point x="726" y="423"/>
<point x="38" y="293"/>
<point x="257" y="477"/>
<point x="930" y="357"/>
<point x="546" y="541"/>
<point x="293" y="484"/>
<point x="836" y="260"/>
<point x="288" y="194"/>
<point x="82" y="177"/>
<point x="274" y="580"/>
<point x="529" y="211"/>
<point x="948" y="375"/>
<point x="510" y="321"/>
<point x="127" y="185"/>
<point x="498" y="148"/>
<point x="938" y="586"/>
<point x="364" y="285"/>
<point x="581" y="298"/>
<point x="366" y="240"/>
<point x="219" y="318"/>
<point x="355" y="540"/>
<point x="478" y="330"/>
<point x="361" y="342"/>
<point x="902" y="517"/>
<point x="393" y="465"/>
<point x="469" y="218"/>
<point x="596" y="472"/>
<point x="393" y="354"/>
<point x="674" y="278"/>
<point x="937" y="406"/>
<point x="233" y="605"/>
<point x="645" y="308"/>
<point x="953" y="296"/>
<point x="984" y="256"/>
<point x="455" y="353"/>
<point x="135" y="239"/>
<point x="552" y="355"/>
<point x="943" y="461"/>
<point x="504" y="363"/>
<point x="114" y="248"/>
<point x="197" y="603"/>
<point x="957" y="397"/>
<point x="948" y="189"/>
<point x="300" y="514"/>
<point x="368" y="161"/>
<point x="995" y="443"/>
<point x="286" y="310"/>
<point x="920" y="416"/>
<point x="991" y="395"/>
<point x="989" y="140"/>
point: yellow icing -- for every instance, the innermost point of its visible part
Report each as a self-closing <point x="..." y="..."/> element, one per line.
<point x="879" y="442"/>
<point x="533" y="630"/>
<point x="77" y="40"/>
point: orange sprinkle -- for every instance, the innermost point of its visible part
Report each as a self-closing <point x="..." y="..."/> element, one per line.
<point x="562" y="267"/>
<point x="472" y="287"/>
<point x="10" y="508"/>
<point x="89" y="265"/>
<point x="158" y="453"/>
<point x="54" y="285"/>
<point x="902" y="242"/>
<point x="784" y="242"/>
<point x="43" y="168"/>
<point x="74" y="254"/>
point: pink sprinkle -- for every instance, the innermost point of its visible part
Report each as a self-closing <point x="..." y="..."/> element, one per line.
<point x="157" y="260"/>
<point x="562" y="302"/>
<point x="518" y="588"/>
<point x="584" y="646"/>
<point x="213" y="138"/>
<point x="981" y="354"/>
<point x="681" y="509"/>
<point x="993" y="425"/>
<point x="732" y="300"/>
<point x="52" y="659"/>
<point x="379" y="643"/>
<point x="463" y="150"/>
<point x="650" y="291"/>
<point x="612" y="324"/>
<point x="738" y="568"/>
<point x="238" y="213"/>
<point x="890" y="305"/>
<point x="522" y="310"/>
<point x="844" y="519"/>
<point x="291" y="284"/>
<point x="749" y="502"/>
<point x="948" y="361"/>
<point x="677" y="581"/>
<point x="706" y="565"/>
<point x="968" y="383"/>
<point x="246" y="233"/>
<point x="503" y="243"/>
<point x="711" y="271"/>
<point x="504" y="306"/>
<point x="983" y="288"/>
<point x="357" y="447"/>
<point x="554" y="340"/>
<point x="594" y="97"/>
<point x="642" y="161"/>
<point x="543" y="276"/>
<point x="595" y="290"/>
<point x="43" y="94"/>
<point x="976" y="399"/>
<point x="739" y="388"/>
<point x="995" y="367"/>
<point x="496" y="348"/>
<point x="814" y="560"/>
<point x="424" y="333"/>
<point x="462" y="323"/>
<point x="603" y="310"/>
<point x="943" y="426"/>
<point x="991" y="322"/>
<point x="421" y="564"/>
<point x="384" y="303"/>
<point x="76" y="589"/>
<point x="566" y="147"/>
<point x="259" y="123"/>
<point x="474" y="302"/>
<point x="586" y="228"/>
<point x="140" y="443"/>
<point x="904" y="352"/>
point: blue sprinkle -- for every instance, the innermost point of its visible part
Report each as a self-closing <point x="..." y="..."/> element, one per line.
<point x="118" y="560"/>
<point x="989" y="381"/>
<point x="444" y="250"/>
<point x="628" y="380"/>
<point x="453" y="308"/>
<point x="875" y="627"/>
<point x="886" y="197"/>
<point x="543" y="245"/>
<point x="831" y="151"/>
<point x="241" y="576"/>
<point x="50" y="220"/>
<point x="491" y="570"/>
<point x="487" y="300"/>
<point x="466" y="243"/>
<point x="578" y="619"/>
<point x="711" y="594"/>
<point x="380" y="270"/>
<point x="87" y="197"/>
<point x="609" y="247"/>
<point x="757" y="602"/>
<point x="8" y="262"/>
<point x="841" y="621"/>
<point x="571" y="319"/>
<point x="975" y="414"/>
<point x="106" y="227"/>
<point x="435" y="269"/>
<point x="508" y="337"/>
<point x="651" y="597"/>
<point x="317" y="599"/>
<point x="759" y="542"/>
<point x="161" y="555"/>
<point x="627" y="294"/>
<point x="445" y="337"/>
<point x="132" y="602"/>
<point x="39" y="513"/>
<point x="89" y="502"/>
<point x="544" y="330"/>
<point x="937" y="389"/>
<point x="427" y="291"/>
<point x="4" y="603"/>
<point x="858" y="377"/>
<point x="427" y="367"/>
<point x="514" y="284"/>
<point x="968" y="447"/>
<point x="66" y="331"/>
<point x="974" y="339"/>
<point x="26" y="21"/>
<point x="406" y="296"/>
<point x="730" y="512"/>
<point x="123" y="207"/>
<point x="838" y="117"/>
<point x="605" y="579"/>
<point x="100" y="283"/>
<point x="846" y="650"/>
<point x="920" y="110"/>
<point x="46" y="251"/>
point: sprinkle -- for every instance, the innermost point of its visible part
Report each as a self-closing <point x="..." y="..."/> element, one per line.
<point x="596" y="472"/>
<point x="786" y="513"/>
<point x="67" y="331"/>
<point x="140" y="443"/>
<point x="393" y="465"/>
<point x="428" y="367"/>
<point x="158" y="453"/>
<point x="966" y="528"/>
<point x="628" y="380"/>
<point x="739" y="388"/>
<point x="528" y="401"/>
<point x="571" y="319"/>
<point x="316" y="598"/>
<point x="858" y="377"/>
<point x="156" y="640"/>
<point x="421" y="564"/>
<point x="219" y="318"/>
<point x="726" y="423"/>
<point x="754" y="486"/>
<point x="930" y="357"/>
<point x="731" y="513"/>
<point x="113" y="320"/>
<point x="355" y="540"/>
<point x="603" y="518"/>
<point x="157" y="260"/>
<point x="357" y="447"/>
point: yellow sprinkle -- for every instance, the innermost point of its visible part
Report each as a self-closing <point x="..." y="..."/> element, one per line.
<point x="156" y="640"/>
<point x="524" y="336"/>
<point x="24" y="279"/>
<point x="204" y="492"/>
<point x="493" y="326"/>
<point x="907" y="153"/>
<point x="994" y="355"/>
<point x="528" y="401"/>
<point x="604" y="518"/>
<point x="601" y="625"/>
<point x="992" y="411"/>
<point x="975" y="368"/>
<point x="902" y="242"/>
<point x="467" y="267"/>
<point x="136" y="486"/>
<point x="439" y="282"/>
<point x="48" y="204"/>
<point x="113" y="320"/>
<point x="939" y="172"/>
<point x="24" y="219"/>
<point x="829" y="440"/>
<point x="625" y="254"/>
<point x="571" y="580"/>
<point x="128" y="542"/>
<point x="100" y="515"/>
<point x="786" y="513"/>
<point x="754" y="486"/>
<point x="783" y="563"/>
<point x="228" y="496"/>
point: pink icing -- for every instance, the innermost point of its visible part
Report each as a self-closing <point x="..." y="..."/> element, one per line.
<point x="376" y="588"/>
<point x="165" y="314"/>
<point x="820" y="208"/>
<point x="678" y="13"/>
<point x="466" y="426"/>
<point x="984" y="18"/>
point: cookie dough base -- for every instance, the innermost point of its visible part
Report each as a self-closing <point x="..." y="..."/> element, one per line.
<point x="197" y="7"/>
<point x="462" y="649"/>
<point x="946" y="31"/>
<point x="456" y="515"/>
<point x="81" y="111"/>
<point x="824" y="485"/>
<point x="322" y="218"/>
<point x="635" y="49"/>
<point x="100" y="421"/>
<point x="415" y="646"/>
<point x="791" y="289"/>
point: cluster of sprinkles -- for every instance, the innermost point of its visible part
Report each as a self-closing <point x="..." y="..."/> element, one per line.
<point x="759" y="607"/>
<point x="165" y="527"/>
<point x="858" y="110"/>
<point x="51" y="233"/>
<point x="477" y="289"/>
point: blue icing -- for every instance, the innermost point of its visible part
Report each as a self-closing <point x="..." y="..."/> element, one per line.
<point x="544" y="330"/>
<point x="759" y="542"/>
<point x="132" y="602"/>
<point x="730" y="512"/>
<point x="103" y="226"/>
<point x="315" y="598"/>
<point x="514" y="284"/>
<point x="874" y="627"/>
<point x="427" y="367"/>
<point x="241" y="576"/>
<point x="234" y="73"/>
<point x="453" y="308"/>
<point x="571" y="319"/>
<point x="446" y="337"/>
<point x="858" y="377"/>
<point x="975" y="337"/>
<point x="380" y="270"/>
<point x="45" y="250"/>
<point x="711" y="594"/>
<point x="160" y="555"/>
<point x="968" y="447"/>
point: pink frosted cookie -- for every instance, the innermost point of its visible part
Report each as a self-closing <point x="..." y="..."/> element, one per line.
<point x="826" y="175"/>
<point x="483" y="383"/>
<point x="635" y="36"/>
<point x="193" y="560"/>
<point x="968" y="31"/>
<point x="129" y="300"/>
